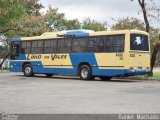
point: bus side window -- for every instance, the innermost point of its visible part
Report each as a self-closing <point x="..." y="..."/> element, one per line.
<point x="96" y="44"/>
<point x="68" y="45"/>
<point x="99" y="44"/>
<point x="83" y="44"/>
<point x="108" y="44"/>
<point x="26" y="46"/>
<point x="23" y="48"/>
<point x="47" y="46"/>
<point x="53" y="46"/>
<point x="34" y="47"/>
<point x="75" y="45"/>
<point x="40" y="46"/>
<point x="114" y="43"/>
<point x="91" y="44"/>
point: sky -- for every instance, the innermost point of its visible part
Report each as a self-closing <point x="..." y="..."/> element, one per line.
<point x="100" y="10"/>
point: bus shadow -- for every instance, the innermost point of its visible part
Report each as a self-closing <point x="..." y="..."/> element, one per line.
<point x="76" y="78"/>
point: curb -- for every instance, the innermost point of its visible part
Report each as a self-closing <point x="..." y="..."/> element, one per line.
<point x="147" y="79"/>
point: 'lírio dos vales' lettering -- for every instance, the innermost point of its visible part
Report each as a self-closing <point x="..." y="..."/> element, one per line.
<point x="55" y="56"/>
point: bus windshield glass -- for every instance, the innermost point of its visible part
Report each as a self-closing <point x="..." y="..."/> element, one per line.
<point x="15" y="50"/>
<point x="139" y="42"/>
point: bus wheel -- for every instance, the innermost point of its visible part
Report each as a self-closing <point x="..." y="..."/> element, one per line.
<point x="28" y="71"/>
<point x="49" y="75"/>
<point x="105" y="78"/>
<point x="85" y="73"/>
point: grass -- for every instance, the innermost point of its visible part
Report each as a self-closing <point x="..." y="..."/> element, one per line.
<point x="3" y="70"/>
<point x="156" y="75"/>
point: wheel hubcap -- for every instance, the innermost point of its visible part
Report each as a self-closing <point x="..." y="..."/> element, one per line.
<point x="28" y="70"/>
<point x="84" y="73"/>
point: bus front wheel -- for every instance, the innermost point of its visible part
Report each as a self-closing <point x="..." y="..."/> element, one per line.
<point x="85" y="73"/>
<point x="28" y="71"/>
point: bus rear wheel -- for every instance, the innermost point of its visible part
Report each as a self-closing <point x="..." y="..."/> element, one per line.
<point x="49" y="75"/>
<point x="105" y="78"/>
<point x="28" y="71"/>
<point x="85" y="73"/>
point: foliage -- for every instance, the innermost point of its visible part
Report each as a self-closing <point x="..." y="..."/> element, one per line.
<point x="150" y="10"/>
<point x="128" y="23"/>
<point x="2" y="54"/>
<point x="156" y="75"/>
<point x="56" y="21"/>
<point x="33" y="7"/>
<point x="31" y="25"/>
<point x="72" y="24"/>
<point x="93" y="25"/>
<point x="10" y="10"/>
<point x="135" y="24"/>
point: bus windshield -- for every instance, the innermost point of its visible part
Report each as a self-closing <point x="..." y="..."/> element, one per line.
<point x="15" y="50"/>
<point x="139" y="42"/>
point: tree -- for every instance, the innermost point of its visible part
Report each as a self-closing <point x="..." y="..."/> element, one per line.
<point x="10" y="10"/>
<point x="33" y="7"/>
<point x="30" y="25"/>
<point x="128" y="23"/>
<point x="56" y="21"/>
<point x="72" y="24"/>
<point x="93" y="25"/>
<point x="149" y="10"/>
<point x="2" y="54"/>
<point x="19" y="20"/>
<point x="136" y="24"/>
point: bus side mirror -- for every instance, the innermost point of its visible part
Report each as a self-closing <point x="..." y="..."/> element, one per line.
<point x="23" y="50"/>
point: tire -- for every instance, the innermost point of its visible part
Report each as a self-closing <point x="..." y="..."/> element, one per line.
<point x="49" y="75"/>
<point x="105" y="78"/>
<point x="85" y="73"/>
<point x="28" y="71"/>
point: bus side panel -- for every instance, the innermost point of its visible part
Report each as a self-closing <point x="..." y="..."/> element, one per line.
<point x="64" y="66"/>
<point x="77" y="58"/>
<point x="15" y="66"/>
<point x="97" y="64"/>
<point x="38" y="68"/>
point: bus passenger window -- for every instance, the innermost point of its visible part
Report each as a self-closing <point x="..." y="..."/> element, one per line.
<point x="91" y="44"/>
<point x="114" y="43"/>
<point x="96" y="44"/>
<point x="26" y="46"/>
<point x="64" y="45"/>
<point x="75" y="45"/>
<point x="83" y="44"/>
<point x="79" y="44"/>
<point x="50" y="46"/>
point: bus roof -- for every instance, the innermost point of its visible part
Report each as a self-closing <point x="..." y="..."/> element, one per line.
<point x="77" y="33"/>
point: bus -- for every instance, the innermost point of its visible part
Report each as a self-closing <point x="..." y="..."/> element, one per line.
<point x="83" y="53"/>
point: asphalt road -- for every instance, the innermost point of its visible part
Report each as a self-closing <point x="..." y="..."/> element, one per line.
<point x="19" y="94"/>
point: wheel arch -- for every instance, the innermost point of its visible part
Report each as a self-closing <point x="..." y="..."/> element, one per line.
<point x="80" y="64"/>
<point x="25" y="63"/>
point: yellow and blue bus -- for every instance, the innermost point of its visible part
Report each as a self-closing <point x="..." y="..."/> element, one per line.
<point x="84" y="53"/>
